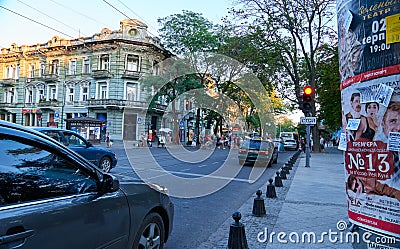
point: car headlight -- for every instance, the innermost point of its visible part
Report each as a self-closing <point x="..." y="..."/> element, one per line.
<point x="158" y="187"/>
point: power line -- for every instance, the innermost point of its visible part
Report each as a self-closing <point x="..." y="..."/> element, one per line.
<point x="44" y="25"/>
<point x="88" y="17"/>
<point x="50" y="17"/>
<point x="138" y="16"/>
<point x="112" y="6"/>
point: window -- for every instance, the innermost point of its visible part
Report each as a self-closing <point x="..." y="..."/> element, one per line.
<point x="71" y="94"/>
<point x="105" y="62"/>
<point x="31" y="72"/>
<point x="30" y="96"/>
<point x="132" y="62"/>
<point x="72" y="67"/>
<point x="42" y="69"/>
<point x="9" y="96"/>
<point x="86" y="66"/>
<point x="85" y="91"/>
<point x="11" y="72"/>
<point x="156" y="68"/>
<point x="31" y="172"/>
<point x="53" y="92"/>
<point x="131" y="92"/>
<point x="54" y="67"/>
<point x="72" y="139"/>
<point x="40" y="94"/>
<point x="103" y="92"/>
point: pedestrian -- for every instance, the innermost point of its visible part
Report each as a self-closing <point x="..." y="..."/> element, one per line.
<point x="281" y="144"/>
<point x="322" y="143"/>
<point x="108" y="140"/>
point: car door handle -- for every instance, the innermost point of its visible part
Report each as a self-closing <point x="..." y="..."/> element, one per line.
<point x="5" y="239"/>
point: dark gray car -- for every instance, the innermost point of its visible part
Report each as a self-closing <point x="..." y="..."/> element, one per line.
<point x="51" y="197"/>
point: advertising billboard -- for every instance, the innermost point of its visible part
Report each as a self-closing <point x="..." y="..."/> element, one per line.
<point x="369" y="66"/>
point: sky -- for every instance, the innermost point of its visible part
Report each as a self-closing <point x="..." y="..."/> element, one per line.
<point x="27" y="22"/>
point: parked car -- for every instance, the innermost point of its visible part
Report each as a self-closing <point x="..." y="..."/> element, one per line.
<point x="52" y="197"/>
<point x="258" y="152"/>
<point x="290" y="144"/>
<point x="105" y="159"/>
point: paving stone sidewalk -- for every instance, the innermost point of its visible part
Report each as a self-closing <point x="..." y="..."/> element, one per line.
<point x="312" y="201"/>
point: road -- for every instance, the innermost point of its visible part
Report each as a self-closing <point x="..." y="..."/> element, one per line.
<point x="196" y="218"/>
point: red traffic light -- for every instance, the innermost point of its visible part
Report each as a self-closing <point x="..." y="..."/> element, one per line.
<point x="308" y="90"/>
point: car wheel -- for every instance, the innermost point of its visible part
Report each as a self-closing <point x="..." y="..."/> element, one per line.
<point x="276" y="159"/>
<point x="269" y="163"/>
<point x="151" y="233"/>
<point x="105" y="164"/>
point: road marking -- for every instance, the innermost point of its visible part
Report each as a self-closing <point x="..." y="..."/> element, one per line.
<point x="203" y="165"/>
<point x="202" y="175"/>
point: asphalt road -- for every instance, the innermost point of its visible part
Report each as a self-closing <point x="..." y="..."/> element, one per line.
<point x="197" y="218"/>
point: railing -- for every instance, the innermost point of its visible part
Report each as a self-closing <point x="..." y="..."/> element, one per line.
<point x="131" y="74"/>
<point x="8" y="82"/>
<point x="50" y="77"/>
<point x="6" y="105"/>
<point x="101" y="74"/>
<point x="48" y="103"/>
<point x="122" y="103"/>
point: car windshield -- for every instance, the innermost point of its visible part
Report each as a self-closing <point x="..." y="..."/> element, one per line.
<point x="255" y="144"/>
<point x="73" y="140"/>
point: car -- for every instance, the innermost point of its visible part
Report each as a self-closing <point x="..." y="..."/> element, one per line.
<point x="104" y="158"/>
<point x="291" y="144"/>
<point x="258" y="152"/>
<point x="52" y="197"/>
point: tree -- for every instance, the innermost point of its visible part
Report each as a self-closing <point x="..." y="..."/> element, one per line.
<point x="295" y="30"/>
<point x="328" y="89"/>
<point x="188" y="32"/>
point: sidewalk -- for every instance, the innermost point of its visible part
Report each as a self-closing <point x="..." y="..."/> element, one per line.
<point x="312" y="201"/>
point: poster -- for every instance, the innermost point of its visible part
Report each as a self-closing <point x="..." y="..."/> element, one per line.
<point x="369" y="66"/>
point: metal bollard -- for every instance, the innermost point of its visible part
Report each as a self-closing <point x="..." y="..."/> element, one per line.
<point x="258" y="205"/>
<point x="237" y="233"/>
<point x="289" y="166"/>
<point x="271" y="193"/>
<point x="283" y="175"/>
<point x="278" y="180"/>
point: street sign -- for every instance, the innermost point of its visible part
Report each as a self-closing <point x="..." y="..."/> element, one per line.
<point x="182" y="123"/>
<point x="56" y="115"/>
<point x="308" y="120"/>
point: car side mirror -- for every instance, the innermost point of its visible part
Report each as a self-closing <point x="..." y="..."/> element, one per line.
<point x="89" y="144"/>
<point x="110" y="184"/>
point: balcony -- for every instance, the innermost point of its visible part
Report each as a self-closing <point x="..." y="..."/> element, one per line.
<point x="48" y="103"/>
<point x="51" y="77"/>
<point x="8" y="82"/>
<point x="6" y="105"/>
<point x="135" y="75"/>
<point x="97" y="74"/>
<point x="110" y="103"/>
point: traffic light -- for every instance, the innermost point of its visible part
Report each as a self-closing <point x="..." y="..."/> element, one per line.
<point x="187" y="104"/>
<point x="308" y="95"/>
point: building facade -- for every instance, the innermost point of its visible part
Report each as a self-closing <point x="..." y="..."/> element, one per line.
<point x="95" y="77"/>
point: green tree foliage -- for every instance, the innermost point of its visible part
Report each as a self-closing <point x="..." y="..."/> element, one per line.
<point x="295" y="30"/>
<point x="188" y="32"/>
<point x="328" y="87"/>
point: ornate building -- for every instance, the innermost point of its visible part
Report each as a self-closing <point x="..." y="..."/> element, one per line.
<point x="95" y="77"/>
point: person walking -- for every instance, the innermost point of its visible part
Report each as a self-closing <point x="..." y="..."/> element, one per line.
<point x="108" y="140"/>
<point x="322" y="143"/>
<point x="281" y="144"/>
